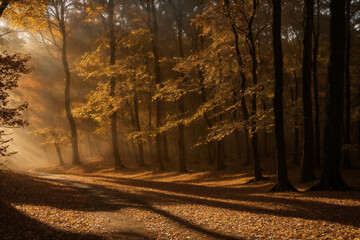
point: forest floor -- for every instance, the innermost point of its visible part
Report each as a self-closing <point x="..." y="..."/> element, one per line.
<point x="86" y="202"/>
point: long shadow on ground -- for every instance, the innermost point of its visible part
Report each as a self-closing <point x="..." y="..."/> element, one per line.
<point x="15" y="225"/>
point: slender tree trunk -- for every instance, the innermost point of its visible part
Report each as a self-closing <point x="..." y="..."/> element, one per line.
<point x="181" y="103"/>
<point x="46" y="153"/>
<point x="74" y="136"/>
<point x="113" y="117"/>
<point x="58" y="151"/>
<point x="331" y="178"/>
<point x="347" y="163"/>
<point x="266" y="146"/>
<point x="158" y="80"/>
<point x="91" y="147"/>
<point x="220" y="156"/>
<point x="307" y="172"/>
<point x="283" y="183"/>
<point x="254" y="138"/>
<point x="316" y="91"/>
<point x="207" y="120"/>
<point x="242" y="73"/>
<point x="295" y="95"/>
<point x="151" y="151"/>
<point x="141" y="162"/>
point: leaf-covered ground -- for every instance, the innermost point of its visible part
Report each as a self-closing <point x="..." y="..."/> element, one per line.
<point x="128" y="205"/>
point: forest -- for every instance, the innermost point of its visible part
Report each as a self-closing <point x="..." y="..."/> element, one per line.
<point x="179" y="119"/>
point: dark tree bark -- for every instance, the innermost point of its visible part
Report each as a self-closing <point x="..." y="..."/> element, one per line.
<point x="158" y="80"/>
<point x="3" y="6"/>
<point x="295" y="95"/>
<point x="141" y="161"/>
<point x="316" y="33"/>
<point x="207" y="120"/>
<point x="242" y="74"/>
<point x="178" y="14"/>
<point x="283" y="183"/>
<point x="266" y="145"/>
<point x="254" y="137"/>
<point x="307" y="171"/>
<point x="58" y="151"/>
<point x="331" y="178"/>
<point x="347" y="162"/>
<point x="74" y="136"/>
<point x="113" y="117"/>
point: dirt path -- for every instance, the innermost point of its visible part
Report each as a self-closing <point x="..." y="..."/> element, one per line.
<point x="118" y="225"/>
<point x="147" y="208"/>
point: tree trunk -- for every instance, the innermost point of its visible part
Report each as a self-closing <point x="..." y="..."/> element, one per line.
<point x="181" y="103"/>
<point x="347" y="163"/>
<point x="74" y="136"/>
<point x="283" y="183"/>
<point x="316" y="91"/>
<point x="46" y="153"/>
<point x="331" y="178"/>
<point x="242" y="73"/>
<point x="307" y="171"/>
<point x="254" y="138"/>
<point x="295" y="95"/>
<point x="220" y="156"/>
<point x="141" y="162"/>
<point x="151" y="151"/>
<point x="3" y="6"/>
<point x="113" y="117"/>
<point x="58" y="151"/>
<point x="158" y="80"/>
<point x="266" y="146"/>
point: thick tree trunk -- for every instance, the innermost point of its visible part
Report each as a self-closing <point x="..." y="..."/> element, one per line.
<point x="316" y="91"/>
<point x="58" y="151"/>
<point x="158" y="80"/>
<point x="347" y="162"/>
<point x="113" y="117"/>
<point x="331" y="178"/>
<point x="307" y="171"/>
<point x="283" y="183"/>
<point x="74" y="136"/>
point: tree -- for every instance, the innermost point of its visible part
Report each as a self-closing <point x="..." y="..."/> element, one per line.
<point x="53" y="136"/>
<point x="283" y="183"/>
<point x="152" y="16"/>
<point x="347" y="133"/>
<point x="178" y="14"/>
<point x="53" y="21"/>
<point x="112" y="41"/>
<point x="331" y="178"/>
<point x="316" y="34"/>
<point x="308" y="147"/>
<point x="12" y="67"/>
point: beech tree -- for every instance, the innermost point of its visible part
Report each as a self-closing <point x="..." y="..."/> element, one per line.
<point x="331" y="178"/>
<point x="282" y="181"/>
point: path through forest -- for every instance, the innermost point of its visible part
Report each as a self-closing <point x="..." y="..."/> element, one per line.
<point x="116" y="205"/>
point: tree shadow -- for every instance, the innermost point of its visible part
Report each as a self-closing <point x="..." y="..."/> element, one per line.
<point x="219" y="197"/>
<point x="16" y="225"/>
